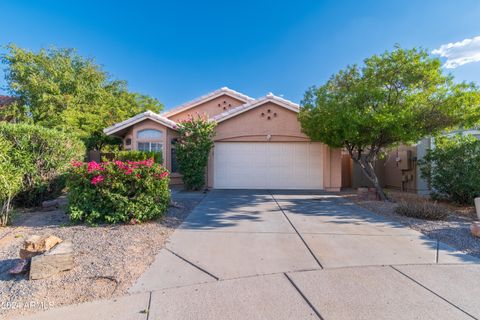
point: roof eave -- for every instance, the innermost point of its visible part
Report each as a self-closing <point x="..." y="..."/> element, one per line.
<point x="138" y="118"/>
<point x="248" y="106"/>
<point x="208" y="97"/>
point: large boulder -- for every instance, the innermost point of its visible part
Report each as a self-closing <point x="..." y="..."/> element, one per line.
<point x="58" y="259"/>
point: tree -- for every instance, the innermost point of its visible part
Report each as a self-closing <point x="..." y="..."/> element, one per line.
<point x="57" y="88"/>
<point x="42" y="157"/>
<point x="396" y="97"/>
<point x="193" y="149"/>
<point x="10" y="180"/>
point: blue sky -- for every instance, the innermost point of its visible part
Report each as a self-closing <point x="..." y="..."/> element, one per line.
<point x="178" y="50"/>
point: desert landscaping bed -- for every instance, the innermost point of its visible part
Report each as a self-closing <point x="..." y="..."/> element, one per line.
<point x="454" y="230"/>
<point x="107" y="259"/>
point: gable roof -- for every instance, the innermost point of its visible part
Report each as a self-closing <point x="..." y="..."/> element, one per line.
<point x="256" y="103"/>
<point x="138" y="118"/>
<point x="206" y="98"/>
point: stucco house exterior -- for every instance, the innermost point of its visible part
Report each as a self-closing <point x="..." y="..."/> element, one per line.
<point x="258" y="143"/>
<point x="400" y="168"/>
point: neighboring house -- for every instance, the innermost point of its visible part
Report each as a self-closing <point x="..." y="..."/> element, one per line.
<point x="399" y="169"/>
<point x="258" y="143"/>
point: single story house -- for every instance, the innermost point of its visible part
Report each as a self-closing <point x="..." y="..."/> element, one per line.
<point x="258" y="143"/>
<point x="399" y="169"/>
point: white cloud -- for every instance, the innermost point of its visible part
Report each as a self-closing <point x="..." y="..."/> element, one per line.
<point x="460" y="53"/>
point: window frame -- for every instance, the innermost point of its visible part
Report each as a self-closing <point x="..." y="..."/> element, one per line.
<point x="151" y="141"/>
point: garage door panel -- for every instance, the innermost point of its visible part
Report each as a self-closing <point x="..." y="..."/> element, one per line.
<point x="268" y="165"/>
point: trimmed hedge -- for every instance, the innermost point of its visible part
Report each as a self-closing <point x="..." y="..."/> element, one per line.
<point x="132" y="191"/>
<point x="452" y="168"/>
<point x="136" y="155"/>
<point x="42" y="156"/>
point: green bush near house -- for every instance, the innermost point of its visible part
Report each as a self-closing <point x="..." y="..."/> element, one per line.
<point x="117" y="191"/>
<point x="426" y="210"/>
<point x="42" y="156"/>
<point x="136" y="155"/>
<point x="193" y="149"/>
<point x="10" y="181"/>
<point x="452" y="168"/>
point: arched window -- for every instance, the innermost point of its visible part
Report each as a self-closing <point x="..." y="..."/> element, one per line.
<point x="149" y="134"/>
<point x="150" y="140"/>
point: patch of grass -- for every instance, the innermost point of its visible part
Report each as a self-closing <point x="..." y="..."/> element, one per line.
<point x="425" y="210"/>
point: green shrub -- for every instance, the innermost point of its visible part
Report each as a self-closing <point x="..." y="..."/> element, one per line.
<point x="426" y="210"/>
<point x="193" y="149"/>
<point x="10" y="181"/>
<point x="42" y="156"/>
<point x="452" y="168"/>
<point x="117" y="191"/>
<point x="136" y="155"/>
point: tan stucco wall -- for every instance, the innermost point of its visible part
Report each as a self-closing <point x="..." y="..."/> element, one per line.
<point x="332" y="169"/>
<point x="252" y="126"/>
<point x="149" y="124"/>
<point x="211" y="108"/>
<point x="404" y="180"/>
<point x="168" y="135"/>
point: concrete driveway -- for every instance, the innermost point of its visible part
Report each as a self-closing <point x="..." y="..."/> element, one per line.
<point x="295" y="255"/>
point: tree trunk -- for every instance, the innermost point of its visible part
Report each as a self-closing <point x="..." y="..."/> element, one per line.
<point x="4" y="212"/>
<point x="369" y="171"/>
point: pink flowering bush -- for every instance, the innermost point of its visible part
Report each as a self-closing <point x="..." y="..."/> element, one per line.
<point x="193" y="149"/>
<point x="117" y="191"/>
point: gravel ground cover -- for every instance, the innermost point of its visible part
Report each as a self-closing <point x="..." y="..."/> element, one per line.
<point x="454" y="231"/>
<point x="108" y="259"/>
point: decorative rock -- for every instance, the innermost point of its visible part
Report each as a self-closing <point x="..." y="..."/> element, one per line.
<point x="20" y="268"/>
<point x="60" y="258"/>
<point x="31" y="242"/>
<point x="25" y="254"/>
<point x="36" y="245"/>
<point x="475" y="229"/>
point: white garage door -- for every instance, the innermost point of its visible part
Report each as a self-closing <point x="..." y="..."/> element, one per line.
<point x="273" y="165"/>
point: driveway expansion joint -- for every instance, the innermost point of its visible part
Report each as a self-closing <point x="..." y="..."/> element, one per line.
<point x="298" y="233"/>
<point x="193" y="264"/>
<point x="149" y="305"/>
<point x="235" y="232"/>
<point x="433" y="292"/>
<point x="359" y="234"/>
<point x="317" y="313"/>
